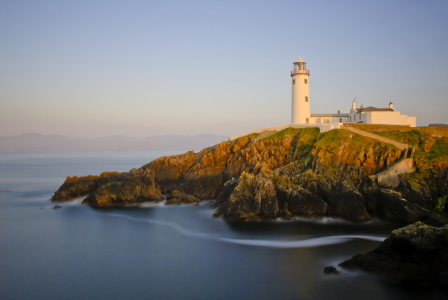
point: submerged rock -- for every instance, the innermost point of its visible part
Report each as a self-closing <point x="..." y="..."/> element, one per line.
<point x="330" y="270"/>
<point x="416" y="254"/>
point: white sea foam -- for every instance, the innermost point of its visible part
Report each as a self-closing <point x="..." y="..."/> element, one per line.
<point x="152" y="204"/>
<point x="313" y="242"/>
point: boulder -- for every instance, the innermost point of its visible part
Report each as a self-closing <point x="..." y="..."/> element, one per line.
<point x="416" y="254"/>
<point x="391" y="206"/>
<point x="177" y="197"/>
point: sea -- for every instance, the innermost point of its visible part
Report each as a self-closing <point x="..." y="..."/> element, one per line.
<point x="156" y="251"/>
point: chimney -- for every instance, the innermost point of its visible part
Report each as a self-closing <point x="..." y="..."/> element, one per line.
<point x="362" y="106"/>
<point x="354" y="105"/>
<point x="391" y="105"/>
<point x="339" y="112"/>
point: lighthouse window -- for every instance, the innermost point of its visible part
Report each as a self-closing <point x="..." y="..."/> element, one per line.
<point x="307" y="121"/>
<point x="306" y="98"/>
<point x="306" y="80"/>
<point x="293" y="81"/>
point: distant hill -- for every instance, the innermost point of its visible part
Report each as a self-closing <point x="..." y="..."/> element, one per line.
<point x="438" y="125"/>
<point x="39" y="142"/>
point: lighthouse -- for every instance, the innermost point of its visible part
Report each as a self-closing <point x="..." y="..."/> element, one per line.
<point x="301" y="116"/>
<point x="301" y="112"/>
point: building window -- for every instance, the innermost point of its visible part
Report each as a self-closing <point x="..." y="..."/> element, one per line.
<point x="306" y="80"/>
<point x="293" y="81"/>
<point x="306" y="98"/>
<point x="350" y="118"/>
<point x="340" y="120"/>
<point x="307" y="121"/>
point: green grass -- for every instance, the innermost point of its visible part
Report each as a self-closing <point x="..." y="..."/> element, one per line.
<point x="305" y="132"/>
<point x="246" y="136"/>
<point x="440" y="149"/>
<point x="305" y="143"/>
<point x="334" y="138"/>
<point x="353" y="144"/>
<point x="443" y="201"/>
<point x="413" y="138"/>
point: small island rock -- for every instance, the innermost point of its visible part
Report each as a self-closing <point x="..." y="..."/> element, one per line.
<point x="330" y="270"/>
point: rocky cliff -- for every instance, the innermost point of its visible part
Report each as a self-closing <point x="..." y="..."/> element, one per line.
<point x="294" y="172"/>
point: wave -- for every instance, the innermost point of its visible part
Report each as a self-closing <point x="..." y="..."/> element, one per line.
<point x="313" y="242"/>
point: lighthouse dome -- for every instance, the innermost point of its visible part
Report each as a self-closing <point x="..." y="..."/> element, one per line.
<point x="299" y="61"/>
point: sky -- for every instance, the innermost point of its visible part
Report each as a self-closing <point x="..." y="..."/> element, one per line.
<point x="144" y="68"/>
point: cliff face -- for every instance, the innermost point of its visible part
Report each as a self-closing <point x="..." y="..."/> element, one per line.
<point x="295" y="172"/>
<point x="327" y="175"/>
<point x="203" y="174"/>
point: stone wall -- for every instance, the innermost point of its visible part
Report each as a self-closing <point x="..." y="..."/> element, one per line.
<point x="389" y="177"/>
<point x="434" y="131"/>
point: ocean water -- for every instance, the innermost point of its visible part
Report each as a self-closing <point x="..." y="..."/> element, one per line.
<point x="166" y="252"/>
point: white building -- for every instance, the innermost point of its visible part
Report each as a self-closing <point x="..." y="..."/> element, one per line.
<point x="373" y="115"/>
<point x="301" y="112"/>
<point x="301" y="116"/>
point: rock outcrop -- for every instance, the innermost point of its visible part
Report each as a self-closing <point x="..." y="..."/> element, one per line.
<point x="74" y="187"/>
<point x="269" y="195"/>
<point x="416" y="255"/>
<point x="136" y="186"/>
<point x="254" y="197"/>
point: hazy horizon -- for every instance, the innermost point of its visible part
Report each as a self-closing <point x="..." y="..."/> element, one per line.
<point x="108" y="136"/>
<point x="92" y="69"/>
<point x="37" y="142"/>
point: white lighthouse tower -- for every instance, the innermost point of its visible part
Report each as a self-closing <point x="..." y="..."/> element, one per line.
<point x="300" y="93"/>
